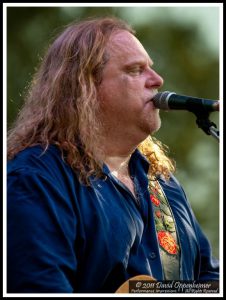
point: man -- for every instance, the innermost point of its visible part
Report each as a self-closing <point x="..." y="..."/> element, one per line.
<point x="92" y="200"/>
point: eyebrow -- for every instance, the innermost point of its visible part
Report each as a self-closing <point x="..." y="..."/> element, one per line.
<point x="138" y="62"/>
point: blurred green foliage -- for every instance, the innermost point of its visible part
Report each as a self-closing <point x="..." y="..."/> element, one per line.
<point x="180" y="56"/>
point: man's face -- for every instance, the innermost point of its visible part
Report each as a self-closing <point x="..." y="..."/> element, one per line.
<point x="128" y="85"/>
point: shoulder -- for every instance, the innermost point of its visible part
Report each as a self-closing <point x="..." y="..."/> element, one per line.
<point x="39" y="176"/>
<point x="172" y="182"/>
<point x="46" y="162"/>
<point x="34" y="157"/>
<point x="173" y="188"/>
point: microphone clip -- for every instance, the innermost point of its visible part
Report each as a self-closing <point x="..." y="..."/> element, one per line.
<point x="205" y="124"/>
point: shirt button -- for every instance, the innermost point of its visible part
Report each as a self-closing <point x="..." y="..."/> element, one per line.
<point x="152" y="255"/>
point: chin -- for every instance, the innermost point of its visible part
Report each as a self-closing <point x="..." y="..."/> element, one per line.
<point x="155" y="127"/>
<point x="153" y="122"/>
<point x="150" y="125"/>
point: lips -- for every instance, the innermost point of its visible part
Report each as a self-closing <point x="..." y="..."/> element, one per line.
<point x="150" y="100"/>
<point x="151" y="103"/>
<point x="152" y="96"/>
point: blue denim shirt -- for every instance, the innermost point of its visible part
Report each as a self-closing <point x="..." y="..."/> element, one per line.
<point x="65" y="237"/>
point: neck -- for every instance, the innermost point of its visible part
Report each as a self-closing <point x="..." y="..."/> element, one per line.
<point x="118" y="165"/>
<point x="120" y="143"/>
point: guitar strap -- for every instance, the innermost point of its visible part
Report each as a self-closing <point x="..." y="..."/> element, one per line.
<point x="166" y="231"/>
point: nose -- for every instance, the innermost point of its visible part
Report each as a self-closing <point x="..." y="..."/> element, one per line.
<point x="154" y="79"/>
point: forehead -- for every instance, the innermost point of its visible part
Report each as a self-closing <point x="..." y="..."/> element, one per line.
<point x="125" y="47"/>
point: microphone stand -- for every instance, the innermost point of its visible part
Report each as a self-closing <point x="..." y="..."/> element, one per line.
<point x="205" y="124"/>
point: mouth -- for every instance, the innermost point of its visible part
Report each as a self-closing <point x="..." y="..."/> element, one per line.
<point x="152" y="97"/>
<point x="150" y="104"/>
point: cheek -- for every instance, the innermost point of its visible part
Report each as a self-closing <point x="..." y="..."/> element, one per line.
<point x="109" y="95"/>
<point x="121" y="95"/>
<point x="107" y="100"/>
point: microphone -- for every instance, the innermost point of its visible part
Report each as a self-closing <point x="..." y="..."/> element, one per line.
<point x="170" y="100"/>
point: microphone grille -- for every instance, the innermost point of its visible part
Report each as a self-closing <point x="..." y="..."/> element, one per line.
<point x="160" y="100"/>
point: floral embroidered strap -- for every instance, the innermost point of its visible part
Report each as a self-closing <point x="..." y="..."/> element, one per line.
<point x="166" y="231"/>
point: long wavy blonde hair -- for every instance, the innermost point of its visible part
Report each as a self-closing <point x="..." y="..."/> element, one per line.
<point x="61" y="106"/>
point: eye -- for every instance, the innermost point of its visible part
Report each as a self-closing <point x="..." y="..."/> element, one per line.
<point x="136" y="70"/>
